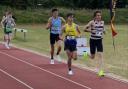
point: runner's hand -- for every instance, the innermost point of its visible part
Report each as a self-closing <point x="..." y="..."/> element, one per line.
<point x="48" y="26"/>
<point x="79" y="36"/>
<point x="60" y="37"/>
<point x="104" y="32"/>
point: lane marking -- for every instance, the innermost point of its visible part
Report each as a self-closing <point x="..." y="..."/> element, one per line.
<point x="18" y="80"/>
<point x="13" y="57"/>
<point x="108" y="75"/>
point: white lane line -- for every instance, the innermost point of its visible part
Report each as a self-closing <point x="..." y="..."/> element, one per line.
<point x="111" y="76"/>
<point x="13" y="57"/>
<point x="16" y="79"/>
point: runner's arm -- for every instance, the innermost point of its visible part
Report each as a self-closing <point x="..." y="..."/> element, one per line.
<point x="78" y="30"/>
<point x="48" y="26"/>
<point x="63" y="20"/>
<point x="62" y="32"/>
<point x="87" y="28"/>
<point x="13" y="21"/>
<point x="104" y="30"/>
<point x="2" y="21"/>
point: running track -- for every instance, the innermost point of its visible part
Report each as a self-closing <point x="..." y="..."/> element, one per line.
<point x="20" y="69"/>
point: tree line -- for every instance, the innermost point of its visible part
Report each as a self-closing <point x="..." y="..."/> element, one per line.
<point x="88" y="4"/>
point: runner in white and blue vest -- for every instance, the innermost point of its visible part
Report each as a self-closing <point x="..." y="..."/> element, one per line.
<point x="55" y="25"/>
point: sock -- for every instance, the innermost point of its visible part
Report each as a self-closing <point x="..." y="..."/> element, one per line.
<point x="70" y="69"/>
<point x="52" y="58"/>
<point x="57" y="53"/>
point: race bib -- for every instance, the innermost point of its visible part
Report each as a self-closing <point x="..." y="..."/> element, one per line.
<point x="98" y="33"/>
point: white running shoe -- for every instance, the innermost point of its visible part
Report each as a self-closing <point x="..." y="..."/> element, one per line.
<point x="70" y="72"/>
<point x="7" y="46"/>
<point x="52" y="61"/>
<point x="59" y="58"/>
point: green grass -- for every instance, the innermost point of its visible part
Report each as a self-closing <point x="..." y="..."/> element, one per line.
<point x="115" y="61"/>
<point x="82" y="15"/>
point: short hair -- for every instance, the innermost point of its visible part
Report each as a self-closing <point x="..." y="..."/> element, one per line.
<point x="8" y="13"/>
<point x="53" y="10"/>
<point x="70" y="14"/>
<point x="98" y="11"/>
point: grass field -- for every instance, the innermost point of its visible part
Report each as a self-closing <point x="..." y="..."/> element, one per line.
<point x="81" y="15"/>
<point x="115" y="61"/>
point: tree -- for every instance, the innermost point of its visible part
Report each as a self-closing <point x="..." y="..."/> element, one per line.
<point x="91" y="4"/>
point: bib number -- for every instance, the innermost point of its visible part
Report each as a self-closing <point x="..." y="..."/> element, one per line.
<point x="98" y="33"/>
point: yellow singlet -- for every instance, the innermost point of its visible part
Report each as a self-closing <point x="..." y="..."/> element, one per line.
<point x="70" y="30"/>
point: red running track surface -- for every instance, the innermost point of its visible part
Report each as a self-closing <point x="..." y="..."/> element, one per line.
<point x="20" y="69"/>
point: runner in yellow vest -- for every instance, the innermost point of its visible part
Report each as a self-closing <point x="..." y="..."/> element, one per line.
<point x="71" y="31"/>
